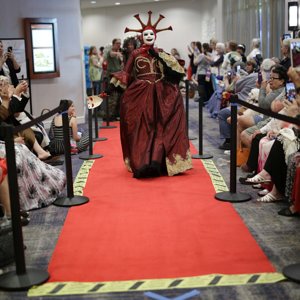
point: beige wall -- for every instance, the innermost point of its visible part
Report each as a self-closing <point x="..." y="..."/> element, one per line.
<point x="46" y="93"/>
<point x="190" y="19"/>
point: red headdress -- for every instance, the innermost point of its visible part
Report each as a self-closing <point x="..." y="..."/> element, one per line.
<point x="149" y="24"/>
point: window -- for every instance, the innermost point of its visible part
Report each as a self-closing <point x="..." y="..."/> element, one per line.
<point x="41" y="47"/>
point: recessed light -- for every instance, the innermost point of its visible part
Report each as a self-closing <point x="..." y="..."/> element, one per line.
<point x="156" y="0"/>
<point x="117" y="3"/>
<point x="93" y="2"/>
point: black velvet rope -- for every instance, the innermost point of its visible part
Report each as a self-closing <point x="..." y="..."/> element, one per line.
<point x="63" y="106"/>
<point x="235" y="99"/>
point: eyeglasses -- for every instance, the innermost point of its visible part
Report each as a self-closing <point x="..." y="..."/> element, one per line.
<point x="273" y="78"/>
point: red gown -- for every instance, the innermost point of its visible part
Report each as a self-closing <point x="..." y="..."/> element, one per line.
<point x="153" y="125"/>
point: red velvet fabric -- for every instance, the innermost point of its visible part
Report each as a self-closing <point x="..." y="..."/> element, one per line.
<point x="153" y="125"/>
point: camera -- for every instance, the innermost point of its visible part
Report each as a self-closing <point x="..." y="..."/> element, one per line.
<point x="286" y="36"/>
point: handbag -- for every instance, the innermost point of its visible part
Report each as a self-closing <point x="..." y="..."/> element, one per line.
<point x="242" y="155"/>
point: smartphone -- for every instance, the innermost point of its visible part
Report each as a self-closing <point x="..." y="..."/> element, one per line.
<point x="229" y="76"/>
<point x="286" y="36"/>
<point x="9" y="49"/>
<point x="259" y="78"/>
<point x="290" y="91"/>
<point x="295" y="53"/>
<point x="238" y="70"/>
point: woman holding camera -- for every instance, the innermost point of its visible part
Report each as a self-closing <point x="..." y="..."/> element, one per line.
<point x="8" y="65"/>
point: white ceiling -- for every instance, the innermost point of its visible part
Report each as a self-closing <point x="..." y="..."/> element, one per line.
<point x="104" y="3"/>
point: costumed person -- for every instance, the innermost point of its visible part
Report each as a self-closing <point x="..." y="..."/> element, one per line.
<point x="153" y="125"/>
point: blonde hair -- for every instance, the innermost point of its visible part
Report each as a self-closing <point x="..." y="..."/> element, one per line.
<point x="3" y="79"/>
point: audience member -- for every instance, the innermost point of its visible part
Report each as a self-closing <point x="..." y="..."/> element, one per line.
<point x="241" y="49"/>
<point x="285" y="51"/>
<point x="9" y="67"/>
<point x="10" y="105"/>
<point x="278" y="78"/>
<point x="115" y="63"/>
<point x="81" y="141"/>
<point x="255" y="51"/>
<point x="95" y="70"/>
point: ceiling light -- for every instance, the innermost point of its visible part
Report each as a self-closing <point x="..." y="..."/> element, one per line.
<point x="117" y="3"/>
<point x="93" y="2"/>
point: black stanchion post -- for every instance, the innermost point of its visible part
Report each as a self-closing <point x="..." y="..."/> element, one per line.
<point x="232" y="196"/>
<point x="97" y="138"/>
<point x="90" y="155"/>
<point x="292" y="272"/>
<point x="187" y="105"/>
<point x="200" y="154"/>
<point x="105" y="97"/>
<point x="70" y="200"/>
<point x="21" y="278"/>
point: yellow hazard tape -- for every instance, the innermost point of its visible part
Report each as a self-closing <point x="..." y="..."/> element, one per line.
<point x="216" y="178"/>
<point x="80" y="288"/>
<point x="82" y="176"/>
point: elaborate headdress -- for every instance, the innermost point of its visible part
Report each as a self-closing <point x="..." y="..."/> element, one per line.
<point x="149" y="24"/>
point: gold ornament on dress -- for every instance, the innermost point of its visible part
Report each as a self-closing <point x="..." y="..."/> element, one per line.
<point x="117" y="83"/>
<point x="171" y="62"/>
<point x="127" y="164"/>
<point x="180" y="164"/>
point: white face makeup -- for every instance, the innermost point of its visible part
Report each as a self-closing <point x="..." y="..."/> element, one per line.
<point x="148" y="37"/>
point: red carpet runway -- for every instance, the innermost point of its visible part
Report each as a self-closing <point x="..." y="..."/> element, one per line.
<point x="165" y="227"/>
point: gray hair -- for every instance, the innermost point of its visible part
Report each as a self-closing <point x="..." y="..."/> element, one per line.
<point x="267" y="64"/>
<point x="221" y="46"/>
<point x="256" y="43"/>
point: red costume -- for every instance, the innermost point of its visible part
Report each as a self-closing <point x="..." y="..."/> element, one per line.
<point x="153" y="126"/>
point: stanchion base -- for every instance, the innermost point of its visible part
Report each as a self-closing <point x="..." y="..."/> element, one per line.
<point x="232" y="197"/>
<point x="292" y="272"/>
<point x="203" y="156"/>
<point x="100" y="139"/>
<point x="90" y="156"/>
<point x="107" y="126"/>
<point x="71" y="201"/>
<point x="191" y="138"/>
<point x="11" y="281"/>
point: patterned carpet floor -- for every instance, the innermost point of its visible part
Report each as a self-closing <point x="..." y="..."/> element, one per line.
<point x="279" y="237"/>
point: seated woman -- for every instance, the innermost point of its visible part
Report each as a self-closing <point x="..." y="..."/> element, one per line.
<point x="14" y="101"/>
<point x="57" y="137"/>
<point x="39" y="183"/>
<point x="275" y="168"/>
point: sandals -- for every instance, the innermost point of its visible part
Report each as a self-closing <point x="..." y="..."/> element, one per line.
<point x="286" y="212"/>
<point x="257" y="179"/>
<point x="263" y="192"/>
<point x="242" y="180"/>
<point x="269" y="198"/>
<point x="257" y="186"/>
